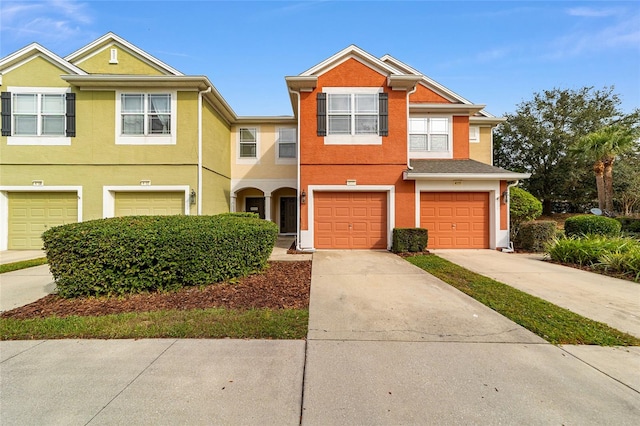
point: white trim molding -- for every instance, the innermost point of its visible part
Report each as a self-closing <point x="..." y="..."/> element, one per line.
<point x="109" y="195"/>
<point x="307" y="236"/>
<point x="4" y="205"/>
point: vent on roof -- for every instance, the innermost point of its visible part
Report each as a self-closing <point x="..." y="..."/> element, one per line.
<point x="114" y="56"/>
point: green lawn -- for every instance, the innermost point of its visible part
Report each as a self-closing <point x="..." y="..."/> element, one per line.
<point x="198" y="323"/>
<point x="553" y="323"/>
<point x="22" y="264"/>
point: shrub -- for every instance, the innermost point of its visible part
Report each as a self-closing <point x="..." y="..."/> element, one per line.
<point x="523" y="207"/>
<point x="590" y="224"/>
<point x="630" y="224"/>
<point x="155" y="253"/>
<point x="534" y="236"/>
<point x="618" y="254"/>
<point x="409" y="240"/>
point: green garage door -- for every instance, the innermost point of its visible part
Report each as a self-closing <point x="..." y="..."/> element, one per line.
<point x="149" y="203"/>
<point x="32" y="213"/>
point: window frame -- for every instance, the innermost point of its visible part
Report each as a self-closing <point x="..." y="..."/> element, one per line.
<point x="147" y="138"/>
<point x="247" y="160"/>
<point x="429" y="152"/>
<point x="39" y="138"/>
<point x="353" y="137"/>
<point x="286" y="160"/>
<point x="474" y="134"/>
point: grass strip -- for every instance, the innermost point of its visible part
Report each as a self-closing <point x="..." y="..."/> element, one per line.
<point x="553" y="323"/>
<point x="197" y="323"/>
<point x="14" y="266"/>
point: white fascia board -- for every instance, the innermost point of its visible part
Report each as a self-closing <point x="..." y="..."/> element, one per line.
<point x="492" y="121"/>
<point x="408" y="175"/>
<point x="33" y="50"/>
<point x="107" y="40"/>
<point x="276" y="119"/>
<point x="354" y="52"/>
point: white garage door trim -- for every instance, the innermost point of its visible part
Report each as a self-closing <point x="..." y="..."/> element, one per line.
<point x="307" y="236"/>
<point x="497" y="237"/>
<point x="4" y="205"/>
<point x="109" y="195"/>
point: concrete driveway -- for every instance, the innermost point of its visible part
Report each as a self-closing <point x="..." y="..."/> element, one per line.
<point x="613" y="301"/>
<point x="390" y="344"/>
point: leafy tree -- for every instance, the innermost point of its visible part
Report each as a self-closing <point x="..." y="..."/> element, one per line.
<point x="523" y="207"/>
<point x="603" y="147"/>
<point x="537" y="138"/>
<point x="627" y="183"/>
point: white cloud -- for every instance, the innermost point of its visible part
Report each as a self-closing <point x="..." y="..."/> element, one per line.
<point x="589" y="12"/>
<point x="56" y="21"/>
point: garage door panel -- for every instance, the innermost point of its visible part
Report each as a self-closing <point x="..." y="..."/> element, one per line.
<point x="350" y="220"/>
<point x="149" y="203"/>
<point x="455" y="220"/>
<point x="32" y="213"/>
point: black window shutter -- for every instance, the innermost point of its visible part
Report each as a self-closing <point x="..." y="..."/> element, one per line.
<point x="383" y="112"/>
<point x="322" y="114"/>
<point x="5" y="104"/>
<point x="71" y="114"/>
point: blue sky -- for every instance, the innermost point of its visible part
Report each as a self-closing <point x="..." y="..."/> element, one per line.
<point x="495" y="53"/>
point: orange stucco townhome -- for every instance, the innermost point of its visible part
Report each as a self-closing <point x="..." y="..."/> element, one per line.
<point x="383" y="146"/>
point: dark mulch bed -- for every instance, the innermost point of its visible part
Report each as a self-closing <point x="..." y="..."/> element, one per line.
<point x="283" y="285"/>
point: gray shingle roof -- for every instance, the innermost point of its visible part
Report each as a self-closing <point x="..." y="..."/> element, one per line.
<point x="456" y="167"/>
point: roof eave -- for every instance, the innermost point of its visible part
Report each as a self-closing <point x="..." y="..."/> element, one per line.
<point x="410" y="175"/>
<point x="469" y="109"/>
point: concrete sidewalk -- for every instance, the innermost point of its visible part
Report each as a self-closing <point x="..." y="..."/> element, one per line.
<point x="609" y="300"/>
<point x="387" y="344"/>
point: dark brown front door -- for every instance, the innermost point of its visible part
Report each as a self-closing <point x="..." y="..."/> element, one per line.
<point x="255" y="205"/>
<point x="288" y="219"/>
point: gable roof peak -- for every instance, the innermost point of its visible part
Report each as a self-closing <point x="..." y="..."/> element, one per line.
<point x="35" y="49"/>
<point x="351" y="51"/>
<point x="111" y="38"/>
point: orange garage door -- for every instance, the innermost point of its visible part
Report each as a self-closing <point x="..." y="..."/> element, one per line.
<point x="350" y="220"/>
<point x="455" y="219"/>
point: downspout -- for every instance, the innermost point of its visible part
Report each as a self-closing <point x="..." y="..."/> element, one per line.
<point x="509" y="249"/>
<point x="409" y="93"/>
<point x="298" y="230"/>
<point x="199" y="195"/>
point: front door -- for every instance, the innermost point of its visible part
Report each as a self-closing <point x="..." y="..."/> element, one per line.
<point x="288" y="219"/>
<point x="255" y="205"/>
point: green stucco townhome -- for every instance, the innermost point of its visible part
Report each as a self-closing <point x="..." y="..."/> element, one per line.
<point x="107" y="131"/>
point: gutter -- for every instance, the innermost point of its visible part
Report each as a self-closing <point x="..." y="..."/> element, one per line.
<point x="409" y="93"/>
<point x="510" y="243"/>
<point x="298" y="230"/>
<point x="199" y="194"/>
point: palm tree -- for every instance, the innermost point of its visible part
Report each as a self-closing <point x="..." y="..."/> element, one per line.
<point x="603" y="147"/>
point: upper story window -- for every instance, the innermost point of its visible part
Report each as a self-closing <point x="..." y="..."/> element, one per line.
<point x="38" y="116"/>
<point x="352" y="115"/>
<point x="429" y="134"/>
<point x="146" y="118"/>
<point x="286" y="143"/>
<point x="248" y="137"/>
<point x="474" y="134"/>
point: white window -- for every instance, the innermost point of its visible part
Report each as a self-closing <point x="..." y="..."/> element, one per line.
<point x="38" y="116"/>
<point x="352" y="114"/>
<point x="248" y="137"/>
<point x="286" y="143"/>
<point x="146" y="118"/>
<point x="474" y="134"/>
<point x="429" y="134"/>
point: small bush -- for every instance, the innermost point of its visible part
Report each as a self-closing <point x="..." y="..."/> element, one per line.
<point x="523" y="207"/>
<point x="155" y="253"/>
<point x="409" y="240"/>
<point x="534" y="236"/>
<point x="621" y="255"/>
<point x="591" y="225"/>
<point x="630" y="224"/>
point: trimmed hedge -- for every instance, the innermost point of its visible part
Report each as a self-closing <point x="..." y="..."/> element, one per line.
<point x="135" y="254"/>
<point x="630" y="224"/>
<point x="591" y="225"/>
<point x="523" y="207"/>
<point x="409" y="240"/>
<point x="534" y="236"/>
